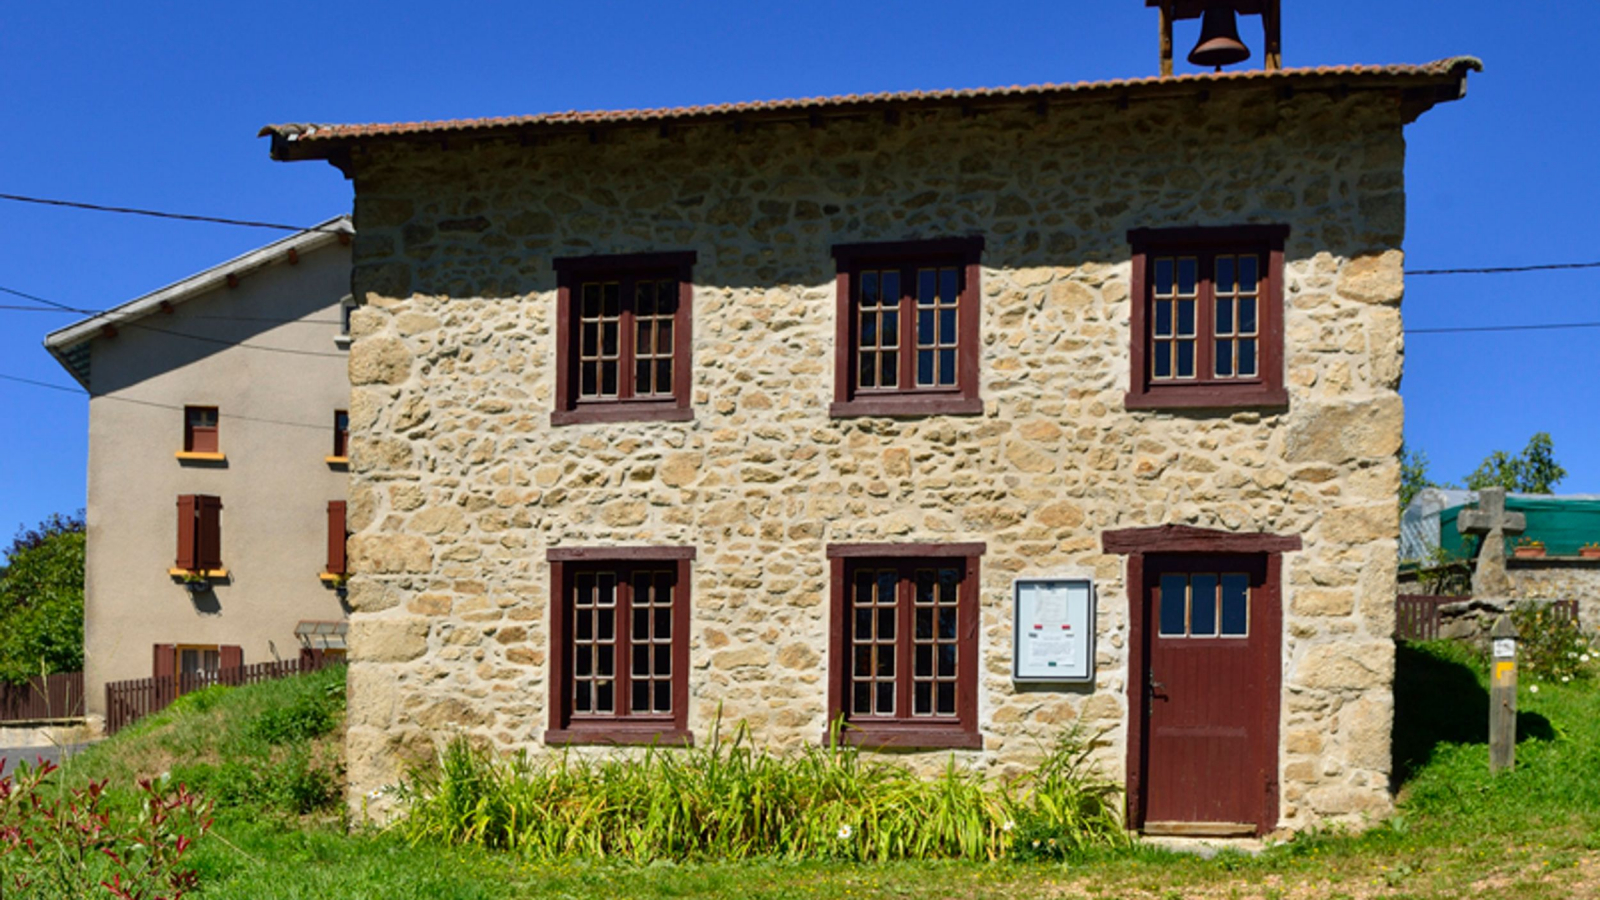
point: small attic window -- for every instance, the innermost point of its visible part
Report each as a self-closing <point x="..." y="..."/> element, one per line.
<point x="347" y="306"/>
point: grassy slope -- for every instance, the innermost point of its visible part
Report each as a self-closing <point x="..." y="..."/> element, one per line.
<point x="1531" y="833"/>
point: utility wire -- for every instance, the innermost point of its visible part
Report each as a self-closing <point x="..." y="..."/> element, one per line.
<point x="1501" y="270"/>
<point x="1551" y="327"/>
<point x="151" y="403"/>
<point x="248" y="223"/>
<point x="9" y="307"/>
<point x="160" y="214"/>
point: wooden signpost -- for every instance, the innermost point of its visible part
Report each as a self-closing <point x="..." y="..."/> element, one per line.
<point x="1503" y="695"/>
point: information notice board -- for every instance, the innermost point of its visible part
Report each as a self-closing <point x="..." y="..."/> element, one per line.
<point x="1054" y="633"/>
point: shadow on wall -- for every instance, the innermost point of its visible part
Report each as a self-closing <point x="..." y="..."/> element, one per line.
<point x="1439" y="698"/>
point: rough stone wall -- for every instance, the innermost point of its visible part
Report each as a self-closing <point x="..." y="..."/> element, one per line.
<point x="1560" y="579"/>
<point x="460" y="483"/>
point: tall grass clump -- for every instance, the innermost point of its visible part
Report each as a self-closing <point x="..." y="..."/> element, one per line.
<point x="731" y="801"/>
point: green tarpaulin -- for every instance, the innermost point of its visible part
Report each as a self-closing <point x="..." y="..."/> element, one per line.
<point x="1563" y="524"/>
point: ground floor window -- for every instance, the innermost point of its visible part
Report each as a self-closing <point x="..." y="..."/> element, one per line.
<point x="620" y="645"/>
<point x="903" y="670"/>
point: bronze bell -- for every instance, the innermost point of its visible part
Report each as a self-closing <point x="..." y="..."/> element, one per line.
<point x="1219" y="39"/>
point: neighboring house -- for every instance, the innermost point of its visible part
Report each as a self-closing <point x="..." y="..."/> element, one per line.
<point x="217" y="464"/>
<point x="1565" y="566"/>
<point x="762" y="411"/>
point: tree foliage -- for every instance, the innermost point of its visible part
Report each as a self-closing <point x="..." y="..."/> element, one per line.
<point x="1413" y="474"/>
<point x="1533" y="471"/>
<point x="41" y="600"/>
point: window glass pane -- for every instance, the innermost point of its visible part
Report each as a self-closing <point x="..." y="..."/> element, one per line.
<point x="605" y="620"/>
<point x="663" y="657"/>
<point x="947" y="325"/>
<point x="924" y="660"/>
<point x="641" y="660"/>
<point x="663" y="376"/>
<point x="925" y="367"/>
<point x="585" y="624"/>
<point x="861" y="698"/>
<point x="1202" y="604"/>
<point x="885" y="661"/>
<point x="1163" y="276"/>
<point x="663" y="622"/>
<point x="591" y="301"/>
<point x="863" y="660"/>
<point x="947" y="660"/>
<point x="1161" y="366"/>
<point x="644" y="298"/>
<point x="924" y="624"/>
<point x="1235" y="605"/>
<point x="641" y="623"/>
<point x="1247" y="274"/>
<point x="1174" y="604"/>
<point x="1224" y="354"/>
<point x="946" y="698"/>
<point x="891" y="287"/>
<point x="885" y="706"/>
<point x="927" y="287"/>
<point x="641" y="696"/>
<point x="863" y="624"/>
<point x="608" y="338"/>
<point x="589" y="379"/>
<point x="1224" y="276"/>
<point x="888" y="372"/>
<point x="1224" y="324"/>
<point x="891" y="329"/>
<point x="868" y="369"/>
<point x="608" y="378"/>
<point x="947" y="367"/>
<point x="1247" y="356"/>
<point x="947" y="623"/>
<point x="926" y="321"/>
<point x="869" y="288"/>
<point x="605" y="659"/>
<point x="1163" y="325"/>
<point x="1186" y="318"/>
<point x="1186" y="359"/>
<point x="922" y="698"/>
<point x="663" y="696"/>
<point x="641" y="376"/>
<point x="949" y="285"/>
<point x="1247" y="315"/>
<point x="1188" y="275"/>
<point x="583" y="660"/>
<point x="886" y="623"/>
<point x="949" y="585"/>
<point x="604" y="700"/>
<point x="583" y="697"/>
<point x="611" y="299"/>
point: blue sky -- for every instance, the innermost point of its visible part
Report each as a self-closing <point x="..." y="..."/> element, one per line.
<point x="157" y="105"/>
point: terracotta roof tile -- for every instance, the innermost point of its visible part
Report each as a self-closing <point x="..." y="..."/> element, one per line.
<point x="304" y="134"/>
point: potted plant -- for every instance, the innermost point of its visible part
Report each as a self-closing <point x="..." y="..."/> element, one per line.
<point x="1590" y="550"/>
<point x="195" y="582"/>
<point x="1529" y="548"/>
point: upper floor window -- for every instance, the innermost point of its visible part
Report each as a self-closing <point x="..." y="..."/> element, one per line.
<point x="623" y="341"/>
<point x="620" y="645"/>
<point x="907" y="328"/>
<point x="199" y="533"/>
<point x="341" y="436"/>
<point x="347" y="307"/>
<point x="904" y="662"/>
<point x="200" y="429"/>
<point x="1208" y="317"/>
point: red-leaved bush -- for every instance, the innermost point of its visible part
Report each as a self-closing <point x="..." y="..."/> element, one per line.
<point x="57" y="841"/>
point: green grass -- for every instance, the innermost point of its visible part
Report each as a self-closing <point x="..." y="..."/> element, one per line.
<point x="1530" y="833"/>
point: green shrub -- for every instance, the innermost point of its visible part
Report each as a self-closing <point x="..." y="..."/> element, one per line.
<point x="309" y="715"/>
<point x="293" y="784"/>
<point x="730" y="801"/>
<point x="1553" y="648"/>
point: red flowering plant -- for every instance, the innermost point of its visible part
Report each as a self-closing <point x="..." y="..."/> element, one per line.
<point x="69" y="842"/>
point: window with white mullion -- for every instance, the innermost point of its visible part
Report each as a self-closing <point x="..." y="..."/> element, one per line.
<point x="650" y="608"/>
<point x="600" y="340"/>
<point x="878" y="337"/>
<point x="1174" y="335"/>
<point x="1236" y="289"/>
<point x="654" y="309"/>
<point x="594" y="658"/>
<point x="874" y="642"/>
<point x="937" y="335"/>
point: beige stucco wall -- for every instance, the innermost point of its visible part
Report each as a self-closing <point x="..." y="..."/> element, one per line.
<point x="460" y="484"/>
<point x="275" y="485"/>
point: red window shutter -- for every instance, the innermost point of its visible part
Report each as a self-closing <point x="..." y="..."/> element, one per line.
<point x="336" y="536"/>
<point x="186" y="532"/>
<point x="208" y="544"/>
<point x="232" y="657"/>
<point x="166" y="661"/>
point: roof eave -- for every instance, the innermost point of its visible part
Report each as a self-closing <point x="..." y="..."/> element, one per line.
<point x="1422" y="87"/>
<point x="62" y="340"/>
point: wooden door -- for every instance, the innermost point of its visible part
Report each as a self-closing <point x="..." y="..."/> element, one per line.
<point x="1210" y="686"/>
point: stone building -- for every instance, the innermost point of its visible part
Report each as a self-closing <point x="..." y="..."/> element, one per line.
<point x="775" y="410"/>
<point x="217" y="469"/>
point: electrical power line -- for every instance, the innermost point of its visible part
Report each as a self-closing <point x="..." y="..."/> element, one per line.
<point x="151" y="403"/>
<point x="162" y="214"/>
<point x="1501" y="270"/>
<point x="1554" y="326"/>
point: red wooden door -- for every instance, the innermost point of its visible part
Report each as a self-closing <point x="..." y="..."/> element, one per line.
<point x="1211" y="698"/>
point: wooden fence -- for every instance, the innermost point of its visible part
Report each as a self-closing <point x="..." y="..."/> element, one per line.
<point x="129" y="701"/>
<point x="1416" y="616"/>
<point x="42" y="698"/>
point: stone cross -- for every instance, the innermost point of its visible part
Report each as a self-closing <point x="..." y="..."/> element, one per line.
<point x="1490" y="519"/>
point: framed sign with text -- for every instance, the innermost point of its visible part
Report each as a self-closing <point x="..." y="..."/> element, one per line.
<point x="1054" y="633"/>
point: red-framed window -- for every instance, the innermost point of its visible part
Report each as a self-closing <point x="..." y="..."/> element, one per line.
<point x="200" y="429"/>
<point x="199" y="532"/>
<point x="1207" y="320"/>
<point x="337" y="534"/>
<point x="623" y="337"/>
<point x="341" y="434"/>
<point x="907" y="328"/>
<point x="620" y="645"/>
<point x="194" y="666"/>
<point x="903" y="667"/>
